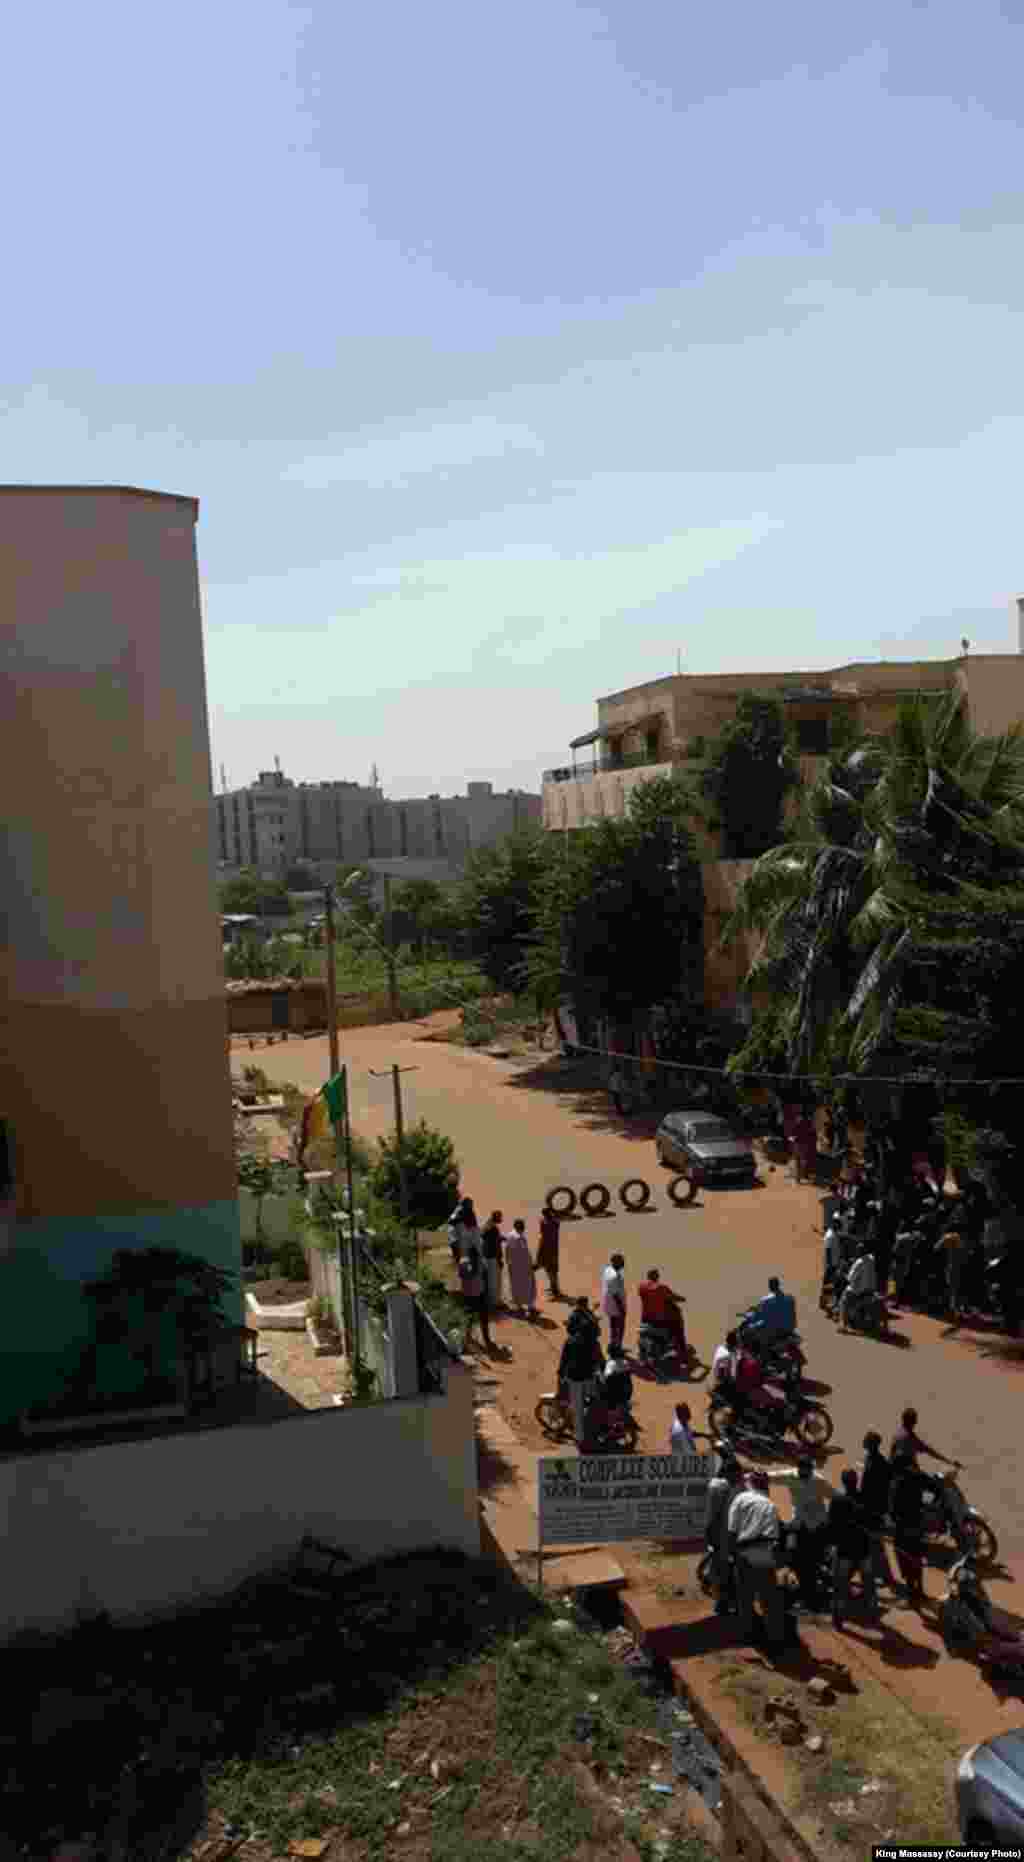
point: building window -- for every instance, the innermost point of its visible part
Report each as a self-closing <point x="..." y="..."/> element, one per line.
<point x="339" y="840"/>
<point x="438" y="829"/>
<point x="371" y="839"/>
<point x="403" y="831"/>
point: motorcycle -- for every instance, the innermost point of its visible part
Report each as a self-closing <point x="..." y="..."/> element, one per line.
<point x="735" y="1416"/>
<point x="617" y="1429"/>
<point x="946" y="1514"/>
<point x="779" y="1353"/>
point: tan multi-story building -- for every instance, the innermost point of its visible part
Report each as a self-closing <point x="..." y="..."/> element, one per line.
<point x="276" y="822"/>
<point x="666" y="724"/>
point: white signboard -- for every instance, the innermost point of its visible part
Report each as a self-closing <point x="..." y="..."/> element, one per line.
<point x="606" y="1499"/>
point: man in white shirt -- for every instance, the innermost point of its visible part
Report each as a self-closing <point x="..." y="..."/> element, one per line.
<point x="754" y="1533"/>
<point x="810" y="1517"/>
<point x="723" y="1487"/>
<point x="681" y="1437"/>
<point x="613" y="1298"/>
<point x="861" y="1280"/>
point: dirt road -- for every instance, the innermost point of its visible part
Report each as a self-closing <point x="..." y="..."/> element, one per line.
<point x="519" y="1128"/>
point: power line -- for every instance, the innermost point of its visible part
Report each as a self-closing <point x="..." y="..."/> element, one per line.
<point x="839" y="1079"/>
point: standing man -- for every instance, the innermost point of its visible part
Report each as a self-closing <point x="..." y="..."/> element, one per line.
<point x="547" y="1252"/>
<point x="579" y="1365"/>
<point x="613" y="1298"/>
<point x="492" y="1249"/>
<point x="906" y="1507"/>
<point x="860" y="1281"/>
<point x="754" y="1533"/>
<point x="810" y="1517"/>
<point x="875" y="1477"/>
<point x="956" y="1250"/>
<point x="722" y="1490"/>
<point x="847" y="1531"/>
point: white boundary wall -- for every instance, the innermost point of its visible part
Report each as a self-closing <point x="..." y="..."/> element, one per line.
<point x="135" y="1528"/>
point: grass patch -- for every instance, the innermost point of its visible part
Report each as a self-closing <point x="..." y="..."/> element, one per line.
<point x="870" y="1739"/>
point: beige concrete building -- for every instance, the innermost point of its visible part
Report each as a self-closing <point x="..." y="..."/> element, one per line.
<point x="275" y="822"/>
<point x="114" y="1088"/>
<point x="651" y="729"/>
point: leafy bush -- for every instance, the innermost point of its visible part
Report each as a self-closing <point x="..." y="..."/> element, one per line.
<point x="289" y="1258"/>
<point x="431" y="1173"/>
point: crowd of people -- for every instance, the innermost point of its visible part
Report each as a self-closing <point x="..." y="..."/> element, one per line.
<point x="915" y="1245"/>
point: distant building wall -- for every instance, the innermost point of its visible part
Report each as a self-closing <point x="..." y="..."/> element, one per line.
<point x="994" y="684"/>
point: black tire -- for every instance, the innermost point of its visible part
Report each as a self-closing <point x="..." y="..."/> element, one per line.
<point x="595" y="1198"/>
<point x="640" y="1201"/>
<point x="568" y="1208"/>
<point x="981" y="1540"/>
<point x="815" y="1427"/>
<point x="686" y="1185"/>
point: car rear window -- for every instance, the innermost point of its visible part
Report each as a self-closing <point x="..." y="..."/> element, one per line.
<point x="710" y="1128"/>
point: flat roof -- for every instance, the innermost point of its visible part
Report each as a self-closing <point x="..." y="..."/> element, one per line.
<point x="120" y="491"/>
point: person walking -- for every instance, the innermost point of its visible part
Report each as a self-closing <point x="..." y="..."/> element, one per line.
<point x="875" y="1479"/>
<point x="522" y="1281"/>
<point x="613" y="1298"/>
<point x="473" y="1282"/>
<point x="580" y="1365"/>
<point x="847" y="1531"/>
<point x="492" y="1249"/>
<point x="754" y="1533"/>
<point x="547" y="1251"/>
<point x="810" y="1517"/>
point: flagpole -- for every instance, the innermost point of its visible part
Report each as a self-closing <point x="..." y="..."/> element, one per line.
<point x="331" y="981"/>
<point x="353" y="1243"/>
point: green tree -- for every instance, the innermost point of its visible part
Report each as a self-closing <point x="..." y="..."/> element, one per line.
<point x="497" y="902"/>
<point x="619" y="921"/>
<point x="893" y="920"/>
<point x="424" y="912"/>
<point x="247" y="892"/>
<point x="431" y="1174"/>
<point x="751" y="770"/>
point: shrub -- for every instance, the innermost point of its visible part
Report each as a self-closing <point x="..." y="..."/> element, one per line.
<point x="431" y="1173"/>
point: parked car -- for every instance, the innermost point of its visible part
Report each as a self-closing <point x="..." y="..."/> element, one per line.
<point x="990" y="1791"/>
<point x="696" y="1140"/>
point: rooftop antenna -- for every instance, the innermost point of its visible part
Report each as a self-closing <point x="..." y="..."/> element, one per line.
<point x="375" y="777"/>
<point x="223" y="780"/>
<point x="277" y="764"/>
<point x="679" y="662"/>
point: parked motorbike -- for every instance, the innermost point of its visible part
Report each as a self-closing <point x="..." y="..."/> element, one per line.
<point x="736" y="1416"/>
<point x="617" y="1428"/>
<point x="947" y="1514"/>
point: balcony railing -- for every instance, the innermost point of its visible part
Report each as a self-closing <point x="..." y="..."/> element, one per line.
<point x="607" y="766"/>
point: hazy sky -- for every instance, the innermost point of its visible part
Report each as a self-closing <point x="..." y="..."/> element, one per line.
<point x="513" y="350"/>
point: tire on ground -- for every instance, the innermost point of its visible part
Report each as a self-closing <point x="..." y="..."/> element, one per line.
<point x="594" y="1199"/>
<point x="682" y="1191"/>
<point x="640" y="1201"/>
<point x="562" y="1189"/>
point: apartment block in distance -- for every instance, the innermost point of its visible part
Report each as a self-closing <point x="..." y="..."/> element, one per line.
<point x="114" y="1092"/>
<point x="275" y="822"/>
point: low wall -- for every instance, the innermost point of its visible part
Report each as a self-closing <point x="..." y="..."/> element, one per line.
<point x="136" y="1528"/>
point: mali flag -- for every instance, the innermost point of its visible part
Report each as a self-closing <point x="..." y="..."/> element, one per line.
<point x="324" y="1111"/>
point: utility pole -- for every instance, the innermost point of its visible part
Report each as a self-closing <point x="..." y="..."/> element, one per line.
<point x="332" y="981"/>
<point x="403" y="1187"/>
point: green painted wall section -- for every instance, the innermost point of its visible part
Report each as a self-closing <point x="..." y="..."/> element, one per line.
<point x="45" y="1322"/>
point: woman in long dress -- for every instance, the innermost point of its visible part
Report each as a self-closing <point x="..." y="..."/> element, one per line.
<point x="522" y="1280"/>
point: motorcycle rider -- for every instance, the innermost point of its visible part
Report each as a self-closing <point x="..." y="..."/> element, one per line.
<point x="860" y="1281"/>
<point x="907" y="1445"/>
<point x="773" y="1317"/>
<point x="723" y="1364"/>
<point x="660" y="1307"/>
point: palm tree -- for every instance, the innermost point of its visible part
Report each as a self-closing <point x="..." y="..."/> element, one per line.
<point x="892" y="912"/>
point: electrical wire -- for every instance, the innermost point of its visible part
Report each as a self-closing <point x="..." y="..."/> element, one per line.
<point x="840" y="1079"/>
